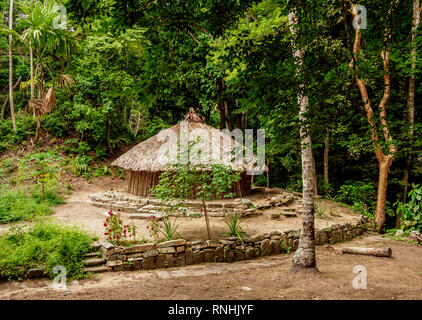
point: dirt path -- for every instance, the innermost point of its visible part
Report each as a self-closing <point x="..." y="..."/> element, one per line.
<point x="398" y="277"/>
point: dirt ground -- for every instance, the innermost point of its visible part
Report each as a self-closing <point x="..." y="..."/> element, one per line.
<point x="76" y="211"/>
<point x="398" y="277"/>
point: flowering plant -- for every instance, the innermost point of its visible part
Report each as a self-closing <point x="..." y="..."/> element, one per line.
<point x="153" y="228"/>
<point x="115" y="230"/>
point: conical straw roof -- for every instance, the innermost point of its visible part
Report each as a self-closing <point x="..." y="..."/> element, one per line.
<point x="155" y="153"/>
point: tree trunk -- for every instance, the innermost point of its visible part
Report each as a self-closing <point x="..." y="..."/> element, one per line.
<point x="384" y="169"/>
<point x="6" y="99"/>
<point x="326" y="153"/>
<point x="31" y="66"/>
<point x="207" y="222"/>
<point x="378" y="252"/>
<point x="220" y="103"/>
<point x="314" y="174"/>
<point x="11" y="102"/>
<point x="410" y="99"/>
<point x="304" y="257"/>
<point x="384" y="160"/>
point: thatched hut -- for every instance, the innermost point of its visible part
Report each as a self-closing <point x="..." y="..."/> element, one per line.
<point x="147" y="160"/>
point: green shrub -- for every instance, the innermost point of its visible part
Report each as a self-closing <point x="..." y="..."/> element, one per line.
<point x="45" y="244"/>
<point x="16" y="205"/>
<point x="360" y="194"/>
<point x="50" y="197"/>
<point x="411" y="212"/>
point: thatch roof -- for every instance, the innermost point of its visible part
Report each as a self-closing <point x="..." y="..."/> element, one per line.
<point x="155" y="153"/>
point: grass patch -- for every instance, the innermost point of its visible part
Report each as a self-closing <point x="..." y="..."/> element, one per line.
<point x="17" y="205"/>
<point x="46" y="244"/>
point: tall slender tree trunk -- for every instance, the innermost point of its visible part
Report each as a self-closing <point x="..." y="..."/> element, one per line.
<point x="384" y="159"/>
<point x="326" y="154"/>
<point x="314" y="174"/>
<point x="31" y="66"/>
<point x="416" y="18"/>
<point x="11" y="102"/>
<point x="304" y="257"/>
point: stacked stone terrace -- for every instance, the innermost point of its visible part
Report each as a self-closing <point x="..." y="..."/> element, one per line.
<point x="144" y="208"/>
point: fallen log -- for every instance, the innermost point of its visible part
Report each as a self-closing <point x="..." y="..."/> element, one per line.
<point x="378" y="252"/>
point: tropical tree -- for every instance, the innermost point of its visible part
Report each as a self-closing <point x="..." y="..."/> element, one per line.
<point x="43" y="37"/>
<point x="11" y="102"/>
<point x="304" y="257"/>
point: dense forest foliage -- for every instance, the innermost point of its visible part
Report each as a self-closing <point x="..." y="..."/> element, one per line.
<point x="112" y="73"/>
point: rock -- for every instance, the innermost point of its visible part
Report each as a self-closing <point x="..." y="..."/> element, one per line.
<point x="106" y="245"/>
<point x="99" y="269"/>
<point x="151" y="253"/>
<point x="399" y="233"/>
<point x="265" y="246"/>
<point x="246" y="289"/>
<point x="209" y="255"/>
<point x="416" y="236"/>
<point x="214" y="205"/>
<point x="212" y="243"/>
<point x="167" y="250"/>
<point x="240" y="255"/>
<point x="219" y="254"/>
<point x="257" y="237"/>
<point x="148" y="263"/>
<point x="139" y="248"/>
<point x="143" y="216"/>
<point x="228" y="243"/>
<point x="169" y="263"/>
<point x="172" y="243"/>
<point x="180" y="249"/>
<point x="229" y="256"/>
<point x="114" y="263"/>
<point x="180" y="261"/>
<point x="159" y="262"/>
<point x="94" y="262"/>
<point x="275" y="216"/>
<point x="35" y="273"/>
<point x="198" y="258"/>
<point x="91" y="255"/>
<point x="277" y="246"/>
<point x="189" y="256"/>
<point x="137" y="264"/>
<point x="250" y="253"/>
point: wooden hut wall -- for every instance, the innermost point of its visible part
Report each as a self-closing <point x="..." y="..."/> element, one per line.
<point x="140" y="183"/>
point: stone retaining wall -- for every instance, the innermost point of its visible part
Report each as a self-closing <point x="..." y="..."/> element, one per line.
<point x="144" y="207"/>
<point x="177" y="253"/>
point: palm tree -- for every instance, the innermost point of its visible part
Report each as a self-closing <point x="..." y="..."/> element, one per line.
<point x="42" y="39"/>
<point x="11" y="102"/>
<point x="304" y="257"/>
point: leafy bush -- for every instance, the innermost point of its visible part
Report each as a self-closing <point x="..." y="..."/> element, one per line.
<point x="81" y="165"/>
<point x="9" y="139"/>
<point x="356" y="191"/>
<point x="45" y="244"/>
<point x="411" y="212"/>
<point x="360" y="194"/>
<point x="18" y="206"/>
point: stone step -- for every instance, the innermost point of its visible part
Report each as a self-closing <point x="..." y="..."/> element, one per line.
<point x="289" y="214"/>
<point x="143" y="216"/>
<point x="98" y="269"/>
<point x="91" y="255"/>
<point x="94" y="262"/>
